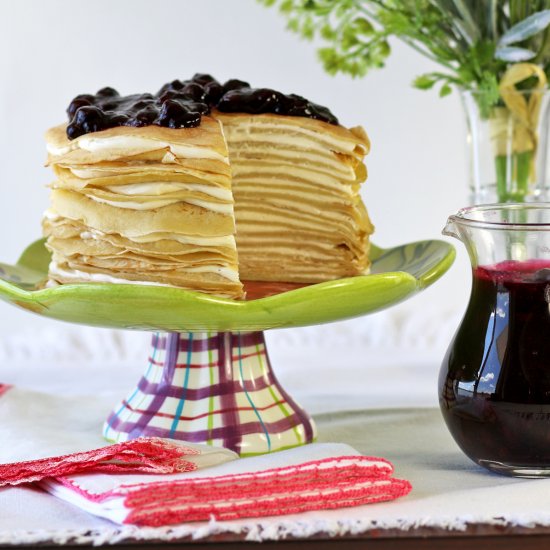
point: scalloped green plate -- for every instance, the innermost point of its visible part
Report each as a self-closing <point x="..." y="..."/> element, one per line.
<point x="396" y="274"/>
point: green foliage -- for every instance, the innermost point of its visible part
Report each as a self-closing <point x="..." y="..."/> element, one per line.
<point x="474" y="41"/>
<point x="445" y="90"/>
<point x="425" y="81"/>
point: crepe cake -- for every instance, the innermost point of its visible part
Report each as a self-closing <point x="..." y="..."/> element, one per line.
<point x="147" y="203"/>
<point x="143" y="191"/>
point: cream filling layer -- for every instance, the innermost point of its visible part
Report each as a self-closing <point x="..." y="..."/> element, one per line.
<point x="227" y="241"/>
<point x="225" y="272"/>
<point x="51" y="215"/>
<point x="91" y="173"/>
<point x="75" y="274"/>
<point x="132" y="145"/>
<point x="226" y="209"/>
<point x="149" y="205"/>
<point x="162" y="188"/>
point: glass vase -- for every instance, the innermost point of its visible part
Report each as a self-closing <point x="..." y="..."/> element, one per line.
<point x="507" y="147"/>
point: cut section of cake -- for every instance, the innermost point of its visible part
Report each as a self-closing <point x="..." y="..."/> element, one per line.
<point x="148" y="205"/>
<point x="296" y="183"/>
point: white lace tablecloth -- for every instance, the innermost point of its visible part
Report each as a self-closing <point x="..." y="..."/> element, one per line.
<point x="382" y="403"/>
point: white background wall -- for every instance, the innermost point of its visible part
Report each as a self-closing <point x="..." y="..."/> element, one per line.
<point x="52" y="50"/>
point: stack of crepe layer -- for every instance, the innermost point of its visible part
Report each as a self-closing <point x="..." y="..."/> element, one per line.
<point x="149" y="205"/>
<point x="296" y="184"/>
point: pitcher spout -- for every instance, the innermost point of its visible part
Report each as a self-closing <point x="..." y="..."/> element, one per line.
<point x="451" y="229"/>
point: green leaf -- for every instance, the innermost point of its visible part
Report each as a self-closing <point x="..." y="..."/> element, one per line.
<point x="330" y="60"/>
<point x="385" y="49"/>
<point x="363" y="26"/>
<point x="327" y="32"/>
<point x="424" y="82"/>
<point x="349" y="42"/>
<point x="466" y="75"/>
<point x="445" y="90"/>
<point x="355" y="70"/>
<point x="342" y="8"/>
<point x="308" y="28"/>
<point x="294" y="25"/>
<point x="287" y="6"/>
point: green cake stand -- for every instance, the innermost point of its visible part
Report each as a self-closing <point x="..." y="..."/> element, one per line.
<point x="208" y="378"/>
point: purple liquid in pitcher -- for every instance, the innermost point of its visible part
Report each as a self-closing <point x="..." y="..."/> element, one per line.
<point x="494" y="385"/>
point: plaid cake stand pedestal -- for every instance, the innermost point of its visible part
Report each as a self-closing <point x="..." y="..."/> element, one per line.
<point x="208" y="378"/>
<point x="214" y="387"/>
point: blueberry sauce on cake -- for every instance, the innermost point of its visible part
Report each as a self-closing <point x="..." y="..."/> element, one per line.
<point x="264" y="100"/>
<point x="181" y="104"/>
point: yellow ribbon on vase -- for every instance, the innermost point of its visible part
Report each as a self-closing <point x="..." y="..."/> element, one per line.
<point x="519" y="119"/>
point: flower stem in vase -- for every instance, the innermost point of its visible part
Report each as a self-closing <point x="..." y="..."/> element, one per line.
<point x="523" y="163"/>
<point x="501" y="168"/>
<point x="512" y="174"/>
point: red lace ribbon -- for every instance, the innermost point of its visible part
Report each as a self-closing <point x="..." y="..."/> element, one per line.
<point x="330" y="483"/>
<point x="318" y="485"/>
<point x="142" y="455"/>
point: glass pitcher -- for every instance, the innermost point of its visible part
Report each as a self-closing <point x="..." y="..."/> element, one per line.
<point x="494" y="384"/>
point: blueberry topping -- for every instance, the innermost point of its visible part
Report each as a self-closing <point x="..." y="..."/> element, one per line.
<point x="74" y="131"/>
<point x="141" y="103"/>
<point x="264" y="100"/>
<point x="203" y="79"/>
<point x="108" y="92"/>
<point x="235" y="84"/>
<point x="178" y="114"/>
<point x="79" y="101"/>
<point x="145" y="116"/>
<point x="214" y="92"/>
<point x="176" y="85"/>
<point x="90" y="118"/>
<point x="195" y="91"/>
<point x="181" y="104"/>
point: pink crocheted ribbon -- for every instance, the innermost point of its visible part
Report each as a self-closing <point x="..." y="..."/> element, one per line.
<point x="4" y="388"/>
<point x="142" y="455"/>
<point x="317" y="485"/>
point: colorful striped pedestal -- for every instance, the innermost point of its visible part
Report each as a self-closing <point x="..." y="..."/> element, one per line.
<point x="212" y="387"/>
